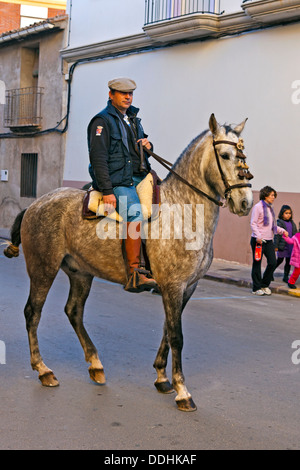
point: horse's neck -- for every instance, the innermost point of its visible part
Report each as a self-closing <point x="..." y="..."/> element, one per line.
<point x="174" y="192"/>
<point x="191" y="166"/>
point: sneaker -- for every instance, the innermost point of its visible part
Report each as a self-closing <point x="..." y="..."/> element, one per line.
<point x="258" y="292"/>
<point x="266" y="290"/>
<point x="292" y="286"/>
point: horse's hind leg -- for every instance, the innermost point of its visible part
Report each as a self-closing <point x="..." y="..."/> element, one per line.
<point x="39" y="289"/>
<point x="80" y="285"/>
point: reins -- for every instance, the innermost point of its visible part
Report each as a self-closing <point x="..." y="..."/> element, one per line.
<point x="168" y="166"/>
<point x="228" y="187"/>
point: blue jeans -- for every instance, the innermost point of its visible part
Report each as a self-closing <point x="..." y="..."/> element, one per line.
<point x="128" y="203"/>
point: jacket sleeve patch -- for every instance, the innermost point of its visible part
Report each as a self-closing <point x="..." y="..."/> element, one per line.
<point x="99" y="130"/>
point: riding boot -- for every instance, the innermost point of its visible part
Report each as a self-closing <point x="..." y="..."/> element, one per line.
<point x="139" y="279"/>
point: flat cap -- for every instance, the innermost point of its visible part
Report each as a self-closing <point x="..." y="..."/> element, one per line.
<point x="122" y="84"/>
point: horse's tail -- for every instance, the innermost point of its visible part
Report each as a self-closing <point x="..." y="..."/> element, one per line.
<point x="13" y="248"/>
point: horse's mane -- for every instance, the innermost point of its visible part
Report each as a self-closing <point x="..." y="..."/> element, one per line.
<point x="187" y="151"/>
<point x="190" y="147"/>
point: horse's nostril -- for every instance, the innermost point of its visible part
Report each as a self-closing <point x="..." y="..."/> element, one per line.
<point x="244" y="204"/>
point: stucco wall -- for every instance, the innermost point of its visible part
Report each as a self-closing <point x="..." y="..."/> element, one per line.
<point x="50" y="147"/>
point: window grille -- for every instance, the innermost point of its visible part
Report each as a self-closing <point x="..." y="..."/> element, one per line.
<point x="28" y="174"/>
<point x="162" y="10"/>
<point x="23" y="107"/>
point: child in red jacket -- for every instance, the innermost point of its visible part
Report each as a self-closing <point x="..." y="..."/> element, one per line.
<point x="295" y="258"/>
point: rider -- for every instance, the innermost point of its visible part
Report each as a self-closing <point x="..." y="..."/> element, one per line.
<point x="113" y="135"/>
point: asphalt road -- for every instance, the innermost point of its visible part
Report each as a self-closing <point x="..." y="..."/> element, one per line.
<point x="237" y="364"/>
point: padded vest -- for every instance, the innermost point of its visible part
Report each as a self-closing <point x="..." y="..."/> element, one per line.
<point x="119" y="159"/>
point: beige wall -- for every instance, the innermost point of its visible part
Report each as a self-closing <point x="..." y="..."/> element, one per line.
<point x="232" y="238"/>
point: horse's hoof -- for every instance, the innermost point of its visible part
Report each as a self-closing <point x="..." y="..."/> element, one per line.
<point x="164" y="387"/>
<point x="186" y="404"/>
<point x="49" y="380"/>
<point x="97" y="375"/>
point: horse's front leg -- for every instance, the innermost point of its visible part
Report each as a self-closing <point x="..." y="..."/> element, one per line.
<point x="174" y="301"/>
<point x="162" y="383"/>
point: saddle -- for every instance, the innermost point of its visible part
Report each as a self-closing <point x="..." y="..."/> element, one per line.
<point x="147" y="190"/>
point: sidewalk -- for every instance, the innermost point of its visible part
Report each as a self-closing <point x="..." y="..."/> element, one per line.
<point x="240" y="275"/>
<point x="233" y="273"/>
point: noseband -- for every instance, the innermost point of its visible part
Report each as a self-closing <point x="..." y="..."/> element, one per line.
<point x="239" y="146"/>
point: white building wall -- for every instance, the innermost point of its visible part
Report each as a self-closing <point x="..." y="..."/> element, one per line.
<point x="103" y="20"/>
<point x="230" y="6"/>
<point x="179" y="87"/>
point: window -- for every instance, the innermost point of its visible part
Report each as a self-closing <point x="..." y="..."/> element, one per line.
<point x="29" y="72"/>
<point x="28" y="174"/>
<point x="23" y="105"/>
<point x="32" y="14"/>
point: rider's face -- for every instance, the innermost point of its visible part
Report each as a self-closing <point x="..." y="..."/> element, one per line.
<point x="121" y="100"/>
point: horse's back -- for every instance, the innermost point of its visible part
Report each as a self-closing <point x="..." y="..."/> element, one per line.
<point x="48" y="215"/>
<point x="53" y="227"/>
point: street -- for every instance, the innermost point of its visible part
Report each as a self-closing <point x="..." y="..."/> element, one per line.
<point x="237" y="361"/>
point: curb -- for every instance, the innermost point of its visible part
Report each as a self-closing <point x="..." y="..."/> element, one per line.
<point x="244" y="283"/>
<point x="295" y="293"/>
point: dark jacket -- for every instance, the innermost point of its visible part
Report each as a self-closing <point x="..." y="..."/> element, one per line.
<point x="279" y="242"/>
<point x="111" y="154"/>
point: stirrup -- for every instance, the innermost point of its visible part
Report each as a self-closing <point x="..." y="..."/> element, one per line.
<point x="135" y="282"/>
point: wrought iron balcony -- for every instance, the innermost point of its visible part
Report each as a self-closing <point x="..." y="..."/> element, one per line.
<point x="23" y="108"/>
<point x="164" y="10"/>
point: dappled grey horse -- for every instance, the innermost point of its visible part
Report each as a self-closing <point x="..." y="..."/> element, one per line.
<point x="54" y="235"/>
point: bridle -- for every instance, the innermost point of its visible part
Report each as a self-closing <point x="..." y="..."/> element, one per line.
<point x="228" y="187"/>
<point x="239" y="146"/>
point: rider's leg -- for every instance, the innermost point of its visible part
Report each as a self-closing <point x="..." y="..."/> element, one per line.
<point x="128" y="206"/>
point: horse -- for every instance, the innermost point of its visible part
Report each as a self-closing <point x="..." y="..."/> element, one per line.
<point x="55" y="236"/>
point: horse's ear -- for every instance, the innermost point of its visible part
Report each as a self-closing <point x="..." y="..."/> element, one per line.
<point x="213" y="125"/>
<point x="239" y="129"/>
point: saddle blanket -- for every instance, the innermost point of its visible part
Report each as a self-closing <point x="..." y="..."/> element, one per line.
<point x="147" y="190"/>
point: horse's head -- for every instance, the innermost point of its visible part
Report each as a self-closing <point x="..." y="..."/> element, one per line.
<point x="228" y="167"/>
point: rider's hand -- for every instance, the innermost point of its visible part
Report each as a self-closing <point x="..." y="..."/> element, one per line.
<point x="110" y="203"/>
<point x="145" y="143"/>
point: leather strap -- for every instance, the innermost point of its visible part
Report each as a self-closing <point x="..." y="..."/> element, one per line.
<point x="240" y="155"/>
<point x="168" y="166"/>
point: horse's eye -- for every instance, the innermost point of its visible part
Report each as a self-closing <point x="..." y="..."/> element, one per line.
<point x="225" y="156"/>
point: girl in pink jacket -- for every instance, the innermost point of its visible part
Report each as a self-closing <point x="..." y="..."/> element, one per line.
<point x="295" y="258"/>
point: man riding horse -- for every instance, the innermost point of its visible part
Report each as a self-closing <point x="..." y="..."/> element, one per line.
<point x="116" y="170"/>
